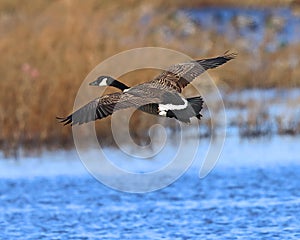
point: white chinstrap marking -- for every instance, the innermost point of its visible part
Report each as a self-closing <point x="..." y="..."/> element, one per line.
<point x="170" y="106"/>
<point x="103" y="82"/>
<point x="126" y="90"/>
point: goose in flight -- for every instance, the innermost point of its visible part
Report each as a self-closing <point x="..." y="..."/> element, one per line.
<point x="160" y="96"/>
<point x="195" y="102"/>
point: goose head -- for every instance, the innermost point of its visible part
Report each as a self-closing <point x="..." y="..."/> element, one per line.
<point x="103" y="81"/>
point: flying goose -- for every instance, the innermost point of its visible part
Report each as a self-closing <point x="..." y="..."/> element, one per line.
<point x="195" y="102"/>
<point x="160" y="96"/>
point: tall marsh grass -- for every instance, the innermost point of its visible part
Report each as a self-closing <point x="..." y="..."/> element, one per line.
<point x="48" y="47"/>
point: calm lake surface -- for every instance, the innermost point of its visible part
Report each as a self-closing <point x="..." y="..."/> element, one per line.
<point x="252" y="193"/>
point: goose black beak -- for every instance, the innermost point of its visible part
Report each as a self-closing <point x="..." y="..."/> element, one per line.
<point x="93" y="83"/>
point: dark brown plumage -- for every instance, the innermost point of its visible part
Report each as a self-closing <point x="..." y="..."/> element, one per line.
<point x="160" y="96"/>
<point x="178" y="76"/>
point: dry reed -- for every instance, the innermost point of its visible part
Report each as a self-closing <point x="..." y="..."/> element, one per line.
<point x="48" y="47"/>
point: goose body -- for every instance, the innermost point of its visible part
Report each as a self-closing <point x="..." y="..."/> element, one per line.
<point x="156" y="109"/>
<point x="160" y="96"/>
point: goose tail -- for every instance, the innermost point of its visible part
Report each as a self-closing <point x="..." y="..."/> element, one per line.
<point x="197" y="105"/>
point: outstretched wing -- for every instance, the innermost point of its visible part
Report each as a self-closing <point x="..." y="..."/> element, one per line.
<point x="98" y="108"/>
<point x="179" y="76"/>
<point x="104" y="106"/>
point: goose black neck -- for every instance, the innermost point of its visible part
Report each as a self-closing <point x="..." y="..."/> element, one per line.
<point x="119" y="85"/>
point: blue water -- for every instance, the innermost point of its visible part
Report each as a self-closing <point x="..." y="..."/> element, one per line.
<point x="251" y="23"/>
<point x="253" y="193"/>
<point x="246" y="203"/>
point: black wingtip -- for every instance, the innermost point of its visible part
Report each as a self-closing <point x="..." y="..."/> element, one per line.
<point x="199" y="116"/>
<point x="230" y="55"/>
<point x="65" y="120"/>
<point x="60" y="119"/>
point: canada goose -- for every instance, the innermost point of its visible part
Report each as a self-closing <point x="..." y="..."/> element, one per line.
<point x="161" y="95"/>
<point x="195" y="102"/>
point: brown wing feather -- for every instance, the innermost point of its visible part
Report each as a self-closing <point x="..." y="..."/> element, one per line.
<point x="179" y="76"/>
<point x="96" y="109"/>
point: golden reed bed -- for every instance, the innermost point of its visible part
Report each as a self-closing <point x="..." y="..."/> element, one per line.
<point x="48" y="47"/>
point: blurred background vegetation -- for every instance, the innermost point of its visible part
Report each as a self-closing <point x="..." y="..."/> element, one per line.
<point x="48" y="48"/>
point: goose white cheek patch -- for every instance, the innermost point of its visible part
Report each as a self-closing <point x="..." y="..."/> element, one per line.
<point x="103" y="82"/>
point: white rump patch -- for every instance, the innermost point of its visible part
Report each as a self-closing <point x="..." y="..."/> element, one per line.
<point x="162" y="113"/>
<point x="170" y="106"/>
<point x="103" y="82"/>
